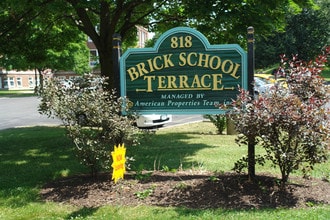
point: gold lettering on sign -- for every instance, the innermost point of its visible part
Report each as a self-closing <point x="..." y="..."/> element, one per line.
<point x="180" y="82"/>
<point x="159" y="81"/>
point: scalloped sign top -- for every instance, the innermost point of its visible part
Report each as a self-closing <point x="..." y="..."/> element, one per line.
<point x="182" y="74"/>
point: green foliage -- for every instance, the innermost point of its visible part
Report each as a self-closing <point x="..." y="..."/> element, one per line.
<point x="140" y="175"/>
<point x="74" y="57"/>
<point x="33" y="37"/>
<point x="167" y="169"/>
<point x="91" y="116"/>
<point x="242" y="164"/>
<point x="50" y="24"/>
<point x="211" y="17"/>
<point x="326" y="74"/>
<point x="291" y="123"/>
<point x="145" y="193"/>
<point x="16" y="93"/>
<point x="213" y="179"/>
<point x="306" y="34"/>
<point x="218" y="120"/>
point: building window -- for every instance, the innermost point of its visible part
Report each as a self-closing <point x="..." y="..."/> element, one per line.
<point x="19" y="82"/>
<point x="11" y="82"/>
<point x="31" y="82"/>
<point x="93" y="58"/>
<point x="5" y="83"/>
<point x="142" y="35"/>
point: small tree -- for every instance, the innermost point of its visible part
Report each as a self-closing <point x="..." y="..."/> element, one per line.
<point x="219" y="121"/>
<point x="290" y="123"/>
<point x="91" y="116"/>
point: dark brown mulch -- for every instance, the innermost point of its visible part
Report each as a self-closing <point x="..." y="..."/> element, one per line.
<point x="187" y="189"/>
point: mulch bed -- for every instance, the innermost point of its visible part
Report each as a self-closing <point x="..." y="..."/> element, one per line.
<point x="189" y="189"/>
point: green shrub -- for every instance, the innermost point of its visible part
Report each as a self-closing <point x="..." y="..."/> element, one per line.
<point x="91" y="116"/>
<point x="290" y="123"/>
<point x="218" y="120"/>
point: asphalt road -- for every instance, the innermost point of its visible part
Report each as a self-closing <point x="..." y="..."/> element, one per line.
<point x="23" y="112"/>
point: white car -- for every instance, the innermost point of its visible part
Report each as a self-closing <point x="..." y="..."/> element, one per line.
<point x="153" y="120"/>
<point x="261" y="86"/>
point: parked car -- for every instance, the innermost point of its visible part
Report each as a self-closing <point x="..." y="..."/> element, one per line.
<point x="153" y="120"/>
<point x="261" y="86"/>
<point x="282" y="82"/>
<point x="265" y="77"/>
<point x="270" y="79"/>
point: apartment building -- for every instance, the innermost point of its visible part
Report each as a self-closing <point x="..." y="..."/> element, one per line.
<point x="17" y="80"/>
<point x="29" y="79"/>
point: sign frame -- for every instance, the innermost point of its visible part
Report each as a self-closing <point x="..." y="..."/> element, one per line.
<point x="243" y="81"/>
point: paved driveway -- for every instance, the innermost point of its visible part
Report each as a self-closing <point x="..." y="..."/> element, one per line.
<point x="20" y="112"/>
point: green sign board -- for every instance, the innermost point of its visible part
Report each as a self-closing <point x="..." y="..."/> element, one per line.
<point x="182" y="74"/>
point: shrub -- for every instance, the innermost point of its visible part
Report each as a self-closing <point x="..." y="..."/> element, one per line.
<point x="291" y="123"/>
<point x="219" y="121"/>
<point x="91" y="116"/>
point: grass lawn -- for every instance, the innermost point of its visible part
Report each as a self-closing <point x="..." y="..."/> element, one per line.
<point x="30" y="157"/>
<point x="16" y="93"/>
<point x="326" y="73"/>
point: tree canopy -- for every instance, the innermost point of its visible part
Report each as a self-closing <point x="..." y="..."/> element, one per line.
<point x="36" y="40"/>
<point x="221" y="21"/>
<point x="305" y="34"/>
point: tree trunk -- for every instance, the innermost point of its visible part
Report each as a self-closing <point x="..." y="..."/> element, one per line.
<point x="41" y="81"/>
<point x="251" y="159"/>
<point x="106" y="63"/>
<point x="284" y="180"/>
